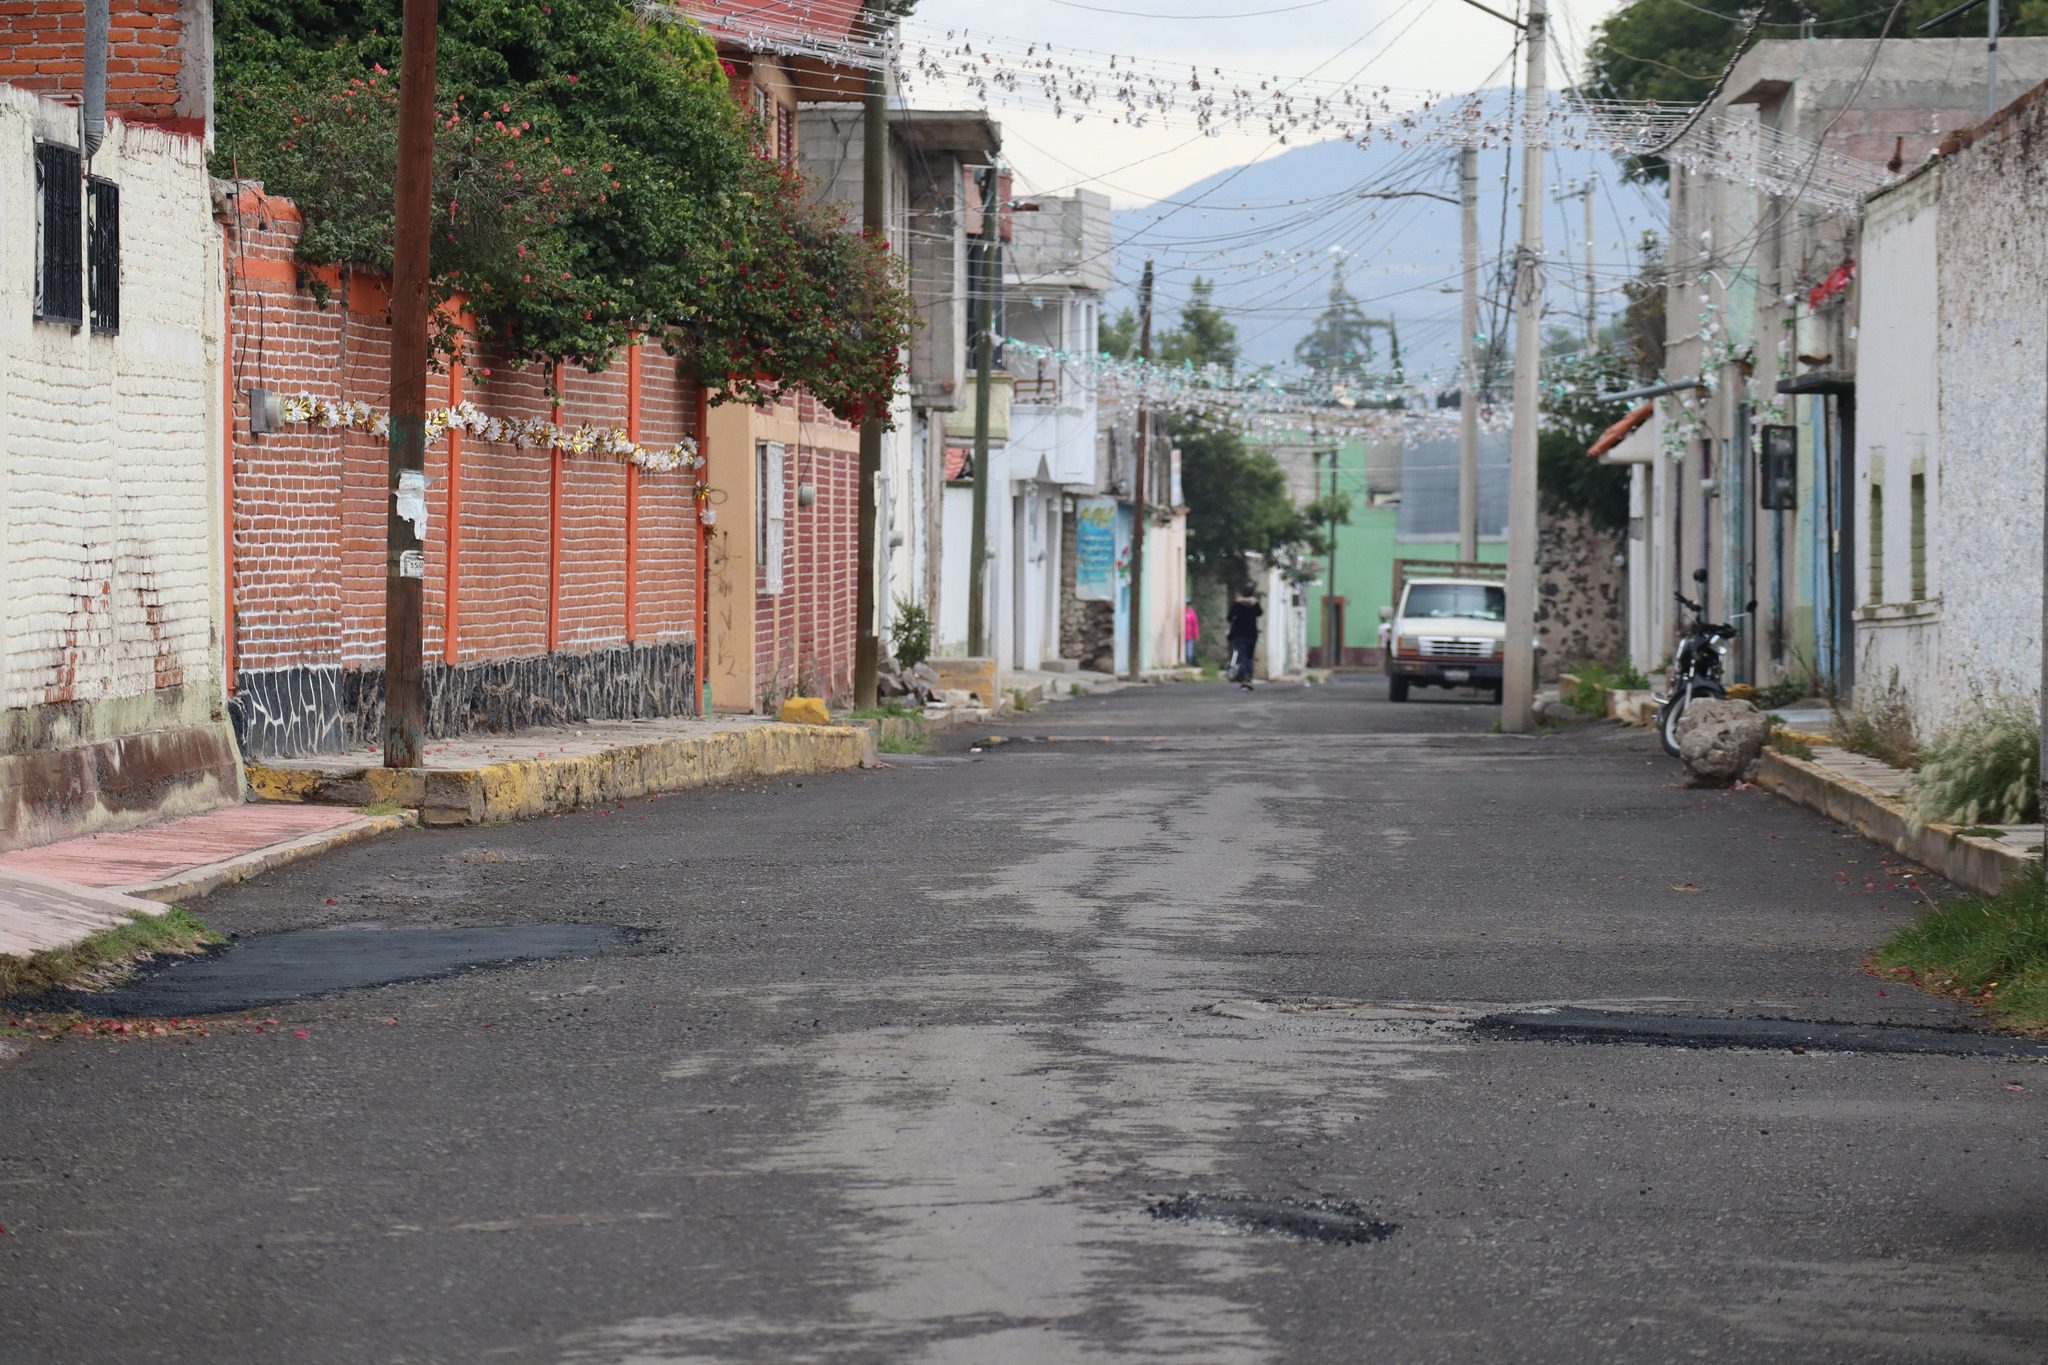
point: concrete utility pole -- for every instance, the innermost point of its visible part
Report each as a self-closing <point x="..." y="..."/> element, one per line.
<point x="1583" y="191"/>
<point x="1139" y="515"/>
<point x="1518" y="684"/>
<point x="405" y="553"/>
<point x="981" y="292"/>
<point x="867" y="642"/>
<point x="1468" y="357"/>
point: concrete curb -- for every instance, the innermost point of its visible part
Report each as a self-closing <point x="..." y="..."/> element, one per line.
<point x="1968" y="860"/>
<point x="523" y="788"/>
<point x="195" y="882"/>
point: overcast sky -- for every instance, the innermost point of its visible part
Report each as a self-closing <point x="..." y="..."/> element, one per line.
<point x="1437" y="45"/>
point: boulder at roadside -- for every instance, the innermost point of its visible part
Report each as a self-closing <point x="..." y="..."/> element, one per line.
<point x="1720" y="741"/>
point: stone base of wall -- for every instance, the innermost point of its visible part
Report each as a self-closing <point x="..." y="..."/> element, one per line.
<point x="1578" y="593"/>
<point x="117" y="783"/>
<point x="287" y="711"/>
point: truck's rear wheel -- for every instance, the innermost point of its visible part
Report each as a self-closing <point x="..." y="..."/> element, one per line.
<point x="1397" y="689"/>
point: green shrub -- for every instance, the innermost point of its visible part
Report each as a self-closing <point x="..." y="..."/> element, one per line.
<point x="1985" y="770"/>
<point x="1597" y="679"/>
<point x="910" y="634"/>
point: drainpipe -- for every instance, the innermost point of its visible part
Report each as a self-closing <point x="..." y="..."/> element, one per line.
<point x="94" y="112"/>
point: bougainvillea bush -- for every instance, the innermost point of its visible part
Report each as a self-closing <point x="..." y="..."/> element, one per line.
<point x="653" y="212"/>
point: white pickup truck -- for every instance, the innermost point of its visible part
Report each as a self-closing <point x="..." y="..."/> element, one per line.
<point x="1444" y="629"/>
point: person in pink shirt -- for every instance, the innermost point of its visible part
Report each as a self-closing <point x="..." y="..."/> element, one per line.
<point x="1191" y="631"/>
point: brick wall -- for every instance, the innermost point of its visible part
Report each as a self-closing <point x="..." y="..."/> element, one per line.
<point x="537" y="630"/>
<point x="804" y="635"/>
<point x="159" y="56"/>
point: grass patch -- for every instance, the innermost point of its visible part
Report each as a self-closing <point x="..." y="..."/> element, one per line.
<point x="105" y="957"/>
<point x="1019" y="701"/>
<point x="1596" y="680"/>
<point x="1989" y="950"/>
<point x="916" y="742"/>
<point x="1775" y="737"/>
<point x="1211" y="671"/>
<point x="381" y="808"/>
<point x="1781" y="693"/>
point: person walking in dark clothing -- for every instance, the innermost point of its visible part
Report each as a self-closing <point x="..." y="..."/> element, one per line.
<point x="1243" y="631"/>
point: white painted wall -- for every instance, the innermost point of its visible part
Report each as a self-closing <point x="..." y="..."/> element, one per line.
<point x="1953" y="382"/>
<point x="110" y="488"/>
<point x="1898" y="423"/>
<point x="1992" y="245"/>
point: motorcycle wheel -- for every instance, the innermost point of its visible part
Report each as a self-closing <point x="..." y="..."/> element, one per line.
<point x="1667" y="721"/>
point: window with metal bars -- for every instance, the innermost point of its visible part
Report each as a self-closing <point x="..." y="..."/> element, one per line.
<point x="785" y="134"/>
<point x="103" y="255"/>
<point x="60" y="236"/>
<point x="1876" y="533"/>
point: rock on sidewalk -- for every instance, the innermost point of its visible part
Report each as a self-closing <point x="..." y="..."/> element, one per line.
<point x="805" y="711"/>
<point x="1720" y="741"/>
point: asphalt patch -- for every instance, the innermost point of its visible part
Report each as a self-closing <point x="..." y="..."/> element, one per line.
<point x="1805" y="1035"/>
<point x="269" y="969"/>
<point x="1333" y="1222"/>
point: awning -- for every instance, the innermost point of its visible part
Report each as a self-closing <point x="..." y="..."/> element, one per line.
<point x="1621" y="430"/>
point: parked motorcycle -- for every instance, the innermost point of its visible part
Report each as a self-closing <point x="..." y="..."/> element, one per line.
<point x="1696" y="668"/>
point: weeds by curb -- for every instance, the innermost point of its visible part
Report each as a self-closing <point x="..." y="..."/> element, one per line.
<point x="1991" y="951"/>
<point x="106" y="957"/>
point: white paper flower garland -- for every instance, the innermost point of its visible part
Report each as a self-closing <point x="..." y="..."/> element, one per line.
<point x="521" y="433"/>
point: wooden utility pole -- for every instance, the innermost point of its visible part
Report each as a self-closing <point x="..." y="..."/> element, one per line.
<point x="867" y="640"/>
<point x="983" y="281"/>
<point x="405" y="554"/>
<point x="1518" y="683"/>
<point x="1139" y="514"/>
<point x="1468" y="380"/>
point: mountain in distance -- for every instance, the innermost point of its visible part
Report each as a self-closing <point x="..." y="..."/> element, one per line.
<point x="1268" y="234"/>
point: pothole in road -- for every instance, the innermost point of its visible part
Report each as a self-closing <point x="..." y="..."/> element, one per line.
<point x="1796" y="1035"/>
<point x="268" y="969"/>
<point x="1645" y="1022"/>
<point x="1333" y="1222"/>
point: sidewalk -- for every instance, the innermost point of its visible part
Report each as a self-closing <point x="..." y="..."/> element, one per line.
<point x="484" y="779"/>
<point x="1868" y="797"/>
<point x="55" y="895"/>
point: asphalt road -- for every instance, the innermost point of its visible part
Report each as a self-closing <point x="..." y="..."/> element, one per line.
<point x="897" y="1065"/>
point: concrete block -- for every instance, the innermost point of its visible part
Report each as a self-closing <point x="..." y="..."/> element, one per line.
<point x="976" y="677"/>
<point x="805" y="711"/>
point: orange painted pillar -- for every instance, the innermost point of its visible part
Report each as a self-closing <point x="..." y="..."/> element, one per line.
<point x="227" y="465"/>
<point x="451" y="574"/>
<point x="702" y="476"/>
<point x="555" y="526"/>
<point x="633" y="495"/>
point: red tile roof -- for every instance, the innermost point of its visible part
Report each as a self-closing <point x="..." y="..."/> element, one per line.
<point x="1619" y="432"/>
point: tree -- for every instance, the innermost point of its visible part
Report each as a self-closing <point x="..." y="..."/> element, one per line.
<point x="1674" y="50"/>
<point x="1118" y="338"/>
<point x="1341" y="340"/>
<point x="1205" y="337"/>
<point x="1574" y="416"/>
<point x="1238" y="505"/>
<point x="658" y="214"/>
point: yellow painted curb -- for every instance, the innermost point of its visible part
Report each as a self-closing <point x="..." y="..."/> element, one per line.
<point x="523" y="788"/>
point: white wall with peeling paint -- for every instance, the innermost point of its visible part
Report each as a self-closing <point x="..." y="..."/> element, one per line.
<point x="110" y="487"/>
